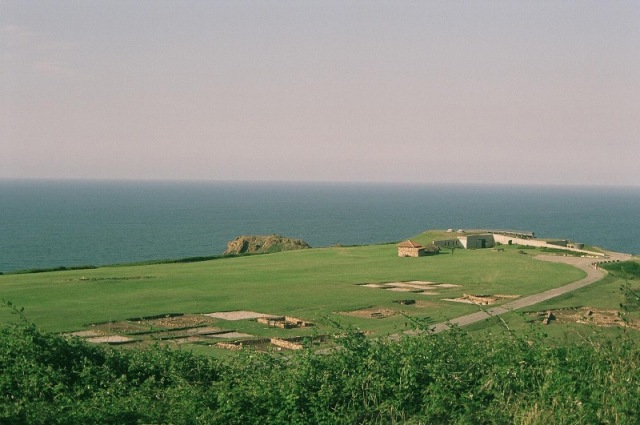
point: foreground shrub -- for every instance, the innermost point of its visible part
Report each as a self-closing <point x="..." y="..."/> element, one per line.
<point x="46" y="379"/>
<point x="445" y="378"/>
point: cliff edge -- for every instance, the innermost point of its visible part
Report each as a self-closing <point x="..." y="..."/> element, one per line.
<point x="252" y="244"/>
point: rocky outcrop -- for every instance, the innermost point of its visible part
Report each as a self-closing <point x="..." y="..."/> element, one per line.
<point x="263" y="244"/>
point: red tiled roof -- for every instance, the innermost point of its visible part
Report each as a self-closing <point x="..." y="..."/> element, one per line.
<point x="409" y="244"/>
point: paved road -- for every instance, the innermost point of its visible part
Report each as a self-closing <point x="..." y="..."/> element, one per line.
<point x="593" y="275"/>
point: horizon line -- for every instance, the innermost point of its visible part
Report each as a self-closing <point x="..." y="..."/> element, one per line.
<point x="310" y="182"/>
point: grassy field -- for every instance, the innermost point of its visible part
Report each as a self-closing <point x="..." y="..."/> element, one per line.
<point x="503" y="370"/>
<point x="608" y="296"/>
<point x="312" y="284"/>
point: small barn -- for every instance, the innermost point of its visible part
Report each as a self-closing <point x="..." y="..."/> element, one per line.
<point x="412" y="249"/>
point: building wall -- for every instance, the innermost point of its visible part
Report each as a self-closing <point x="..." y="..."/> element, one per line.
<point x="514" y="233"/>
<point x="533" y="242"/>
<point x="477" y="241"/>
<point x="449" y="243"/>
<point x="410" y="252"/>
<point x="562" y="243"/>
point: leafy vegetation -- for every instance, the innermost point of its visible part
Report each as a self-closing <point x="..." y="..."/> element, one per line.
<point x="628" y="272"/>
<point x="444" y="378"/>
<point x="624" y="269"/>
<point x="548" y="250"/>
<point x="490" y="375"/>
<point x="53" y="269"/>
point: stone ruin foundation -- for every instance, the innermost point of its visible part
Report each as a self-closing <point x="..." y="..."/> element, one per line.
<point x="481" y="299"/>
<point x="584" y="315"/>
<point x="283" y="322"/>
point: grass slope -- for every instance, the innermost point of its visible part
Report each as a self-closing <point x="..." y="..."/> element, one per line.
<point x="311" y="284"/>
<point x="619" y="291"/>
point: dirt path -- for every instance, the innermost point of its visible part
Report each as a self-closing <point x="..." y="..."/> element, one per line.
<point x="585" y="264"/>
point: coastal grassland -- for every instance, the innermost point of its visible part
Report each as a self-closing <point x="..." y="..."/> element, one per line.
<point x="429" y="236"/>
<point x="488" y="375"/>
<point x="617" y="293"/>
<point x="312" y="284"/>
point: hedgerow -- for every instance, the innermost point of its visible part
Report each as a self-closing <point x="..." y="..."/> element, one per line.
<point x="426" y="378"/>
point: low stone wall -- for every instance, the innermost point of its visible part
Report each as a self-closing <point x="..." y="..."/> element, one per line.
<point x="230" y="345"/>
<point x="596" y="264"/>
<point x="282" y="343"/>
<point x="298" y="322"/>
<point x="540" y="244"/>
<point x="283" y="322"/>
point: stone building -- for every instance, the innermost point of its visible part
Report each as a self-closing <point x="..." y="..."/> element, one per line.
<point x="477" y="241"/>
<point x="412" y="249"/>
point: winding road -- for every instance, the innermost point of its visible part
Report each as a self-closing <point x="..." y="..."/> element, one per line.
<point x="585" y="264"/>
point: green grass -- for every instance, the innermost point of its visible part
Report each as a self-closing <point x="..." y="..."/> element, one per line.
<point x="429" y="236"/>
<point x="311" y="284"/>
<point x="509" y="369"/>
<point x="607" y="294"/>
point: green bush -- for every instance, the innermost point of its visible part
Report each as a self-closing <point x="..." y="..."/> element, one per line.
<point x="623" y="269"/>
<point x="444" y="378"/>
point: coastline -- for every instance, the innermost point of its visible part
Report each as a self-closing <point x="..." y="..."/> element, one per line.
<point x="54" y="224"/>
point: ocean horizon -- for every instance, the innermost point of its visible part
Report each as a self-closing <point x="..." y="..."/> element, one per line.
<point x="54" y="223"/>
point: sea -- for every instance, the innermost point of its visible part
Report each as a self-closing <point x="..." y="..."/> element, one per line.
<point x="48" y="224"/>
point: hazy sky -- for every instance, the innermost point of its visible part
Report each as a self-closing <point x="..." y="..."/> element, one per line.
<point x="419" y="91"/>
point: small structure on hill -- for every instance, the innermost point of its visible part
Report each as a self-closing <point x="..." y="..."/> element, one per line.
<point x="482" y="239"/>
<point x="477" y="241"/>
<point x="412" y="249"/>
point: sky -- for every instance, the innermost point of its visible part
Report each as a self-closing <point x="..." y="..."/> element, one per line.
<point x="489" y="92"/>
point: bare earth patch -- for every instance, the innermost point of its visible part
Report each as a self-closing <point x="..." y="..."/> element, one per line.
<point x="371" y="313"/>
<point x="173" y="328"/>
<point x="400" y="289"/>
<point x="84" y="334"/>
<point x="188" y="340"/>
<point x="119" y="327"/>
<point x="207" y="330"/>
<point x="586" y="315"/>
<point x="417" y="303"/>
<point x="230" y="335"/>
<point x="109" y="339"/>
<point x="423" y="287"/>
<point x="409" y="285"/>
<point x="183" y="321"/>
<point x="143" y="325"/>
<point x="425" y="304"/>
<point x="446" y="285"/>
<point x="238" y="315"/>
<point x="421" y="282"/>
<point x="480" y="299"/>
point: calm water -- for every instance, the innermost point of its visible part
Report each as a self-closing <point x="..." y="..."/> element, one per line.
<point x="50" y="224"/>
